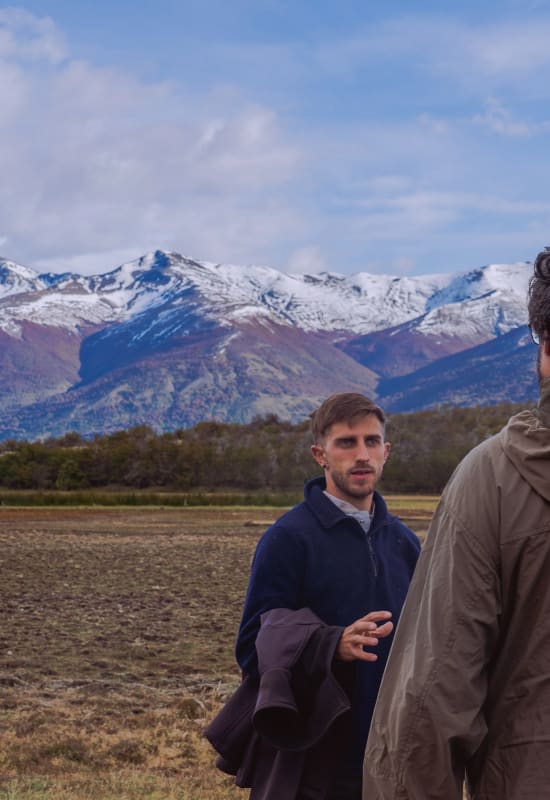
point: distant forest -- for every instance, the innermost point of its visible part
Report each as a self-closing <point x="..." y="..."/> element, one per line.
<point x="267" y="454"/>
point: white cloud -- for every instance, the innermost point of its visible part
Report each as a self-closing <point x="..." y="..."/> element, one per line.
<point x="99" y="165"/>
<point x="513" y="49"/>
<point x="409" y="216"/>
<point x="475" y="55"/>
<point x="307" y="260"/>
<point x="97" y="161"/>
<point x="500" y="120"/>
<point x="13" y="91"/>
<point x="25" y="36"/>
<point x="94" y="263"/>
<point x="417" y="214"/>
<point x="403" y="265"/>
<point x="440" y="127"/>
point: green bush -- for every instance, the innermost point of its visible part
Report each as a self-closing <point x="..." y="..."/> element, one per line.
<point x="229" y="464"/>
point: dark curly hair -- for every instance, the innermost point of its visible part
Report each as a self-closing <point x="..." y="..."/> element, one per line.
<point x="539" y="294"/>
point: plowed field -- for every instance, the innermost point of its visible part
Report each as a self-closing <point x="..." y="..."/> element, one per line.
<point x="116" y="646"/>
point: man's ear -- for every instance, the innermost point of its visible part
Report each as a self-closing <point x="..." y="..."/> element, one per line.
<point x="387" y="448"/>
<point x="318" y="454"/>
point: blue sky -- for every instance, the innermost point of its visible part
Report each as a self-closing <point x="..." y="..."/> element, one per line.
<point x="397" y="137"/>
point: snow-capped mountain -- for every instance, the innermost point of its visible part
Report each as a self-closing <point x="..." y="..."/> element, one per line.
<point x="360" y="303"/>
<point x="226" y="341"/>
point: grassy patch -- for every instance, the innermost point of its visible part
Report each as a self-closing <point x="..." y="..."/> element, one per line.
<point x="115" y="498"/>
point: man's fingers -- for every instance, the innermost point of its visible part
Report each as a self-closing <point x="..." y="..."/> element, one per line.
<point x="383" y="630"/>
<point x="377" y="616"/>
<point x="368" y="629"/>
<point x="361" y="628"/>
<point x="364" y="655"/>
<point x="363" y="633"/>
<point x="368" y="641"/>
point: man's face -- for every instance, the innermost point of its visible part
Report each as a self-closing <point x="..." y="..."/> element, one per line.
<point x="353" y="457"/>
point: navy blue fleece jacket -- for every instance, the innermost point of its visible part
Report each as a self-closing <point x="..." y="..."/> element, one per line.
<point x="316" y="557"/>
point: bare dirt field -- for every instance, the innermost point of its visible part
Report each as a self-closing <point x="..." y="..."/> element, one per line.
<point x="116" y="646"/>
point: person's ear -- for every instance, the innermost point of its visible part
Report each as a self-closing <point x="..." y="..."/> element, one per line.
<point x="319" y="455"/>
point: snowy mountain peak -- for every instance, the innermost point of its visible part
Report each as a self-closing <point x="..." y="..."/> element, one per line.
<point x="513" y="279"/>
<point x="17" y="279"/>
<point x="360" y="303"/>
<point x="167" y="340"/>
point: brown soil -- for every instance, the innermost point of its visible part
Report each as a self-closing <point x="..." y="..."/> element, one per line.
<point x="116" y="648"/>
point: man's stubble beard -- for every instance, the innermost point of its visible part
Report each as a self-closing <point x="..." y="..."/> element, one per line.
<point x="344" y="485"/>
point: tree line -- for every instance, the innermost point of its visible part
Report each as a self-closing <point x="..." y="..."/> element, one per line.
<point x="266" y="454"/>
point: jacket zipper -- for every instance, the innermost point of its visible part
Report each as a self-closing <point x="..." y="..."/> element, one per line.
<point x="372" y="555"/>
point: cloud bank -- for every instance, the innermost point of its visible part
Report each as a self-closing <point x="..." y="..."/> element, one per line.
<point x="414" y="144"/>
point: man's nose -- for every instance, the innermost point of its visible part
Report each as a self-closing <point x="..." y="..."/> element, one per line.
<point x="363" y="452"/>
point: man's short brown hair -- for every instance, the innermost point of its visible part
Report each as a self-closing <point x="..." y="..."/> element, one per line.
<point x="342" y="407"/>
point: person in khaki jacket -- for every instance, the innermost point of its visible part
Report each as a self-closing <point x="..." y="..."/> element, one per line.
<point x="465" y="697"/>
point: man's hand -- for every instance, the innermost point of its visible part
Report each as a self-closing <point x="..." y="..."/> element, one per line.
<point x="364" y="632"/>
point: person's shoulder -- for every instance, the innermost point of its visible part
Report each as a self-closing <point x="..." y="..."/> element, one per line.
<point x="286" y="535"/>
<point x="295" y="513"/>
<point x="313" y="503"/>
<point x="477" y="476"/>
<point x="403" y="531"/>
<point x="289" y="522"/>
<point x="480" y="457"/>
<point x="394" y="523"/>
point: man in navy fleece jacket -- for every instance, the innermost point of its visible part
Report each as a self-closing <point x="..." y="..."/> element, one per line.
<point x="341" y="554"/>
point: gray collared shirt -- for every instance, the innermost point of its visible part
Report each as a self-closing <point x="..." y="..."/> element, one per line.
<point x="364" y="518"/>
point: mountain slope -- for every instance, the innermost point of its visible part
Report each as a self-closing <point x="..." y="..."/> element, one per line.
<point x="259" y="370"/>
<point x="168" y="341"/>
<point x="502" y="370"/>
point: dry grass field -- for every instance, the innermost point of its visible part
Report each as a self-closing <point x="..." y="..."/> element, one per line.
<point x="116" y="646"/>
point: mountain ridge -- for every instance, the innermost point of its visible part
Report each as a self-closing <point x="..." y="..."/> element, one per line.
<point x="232" y="342"/>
